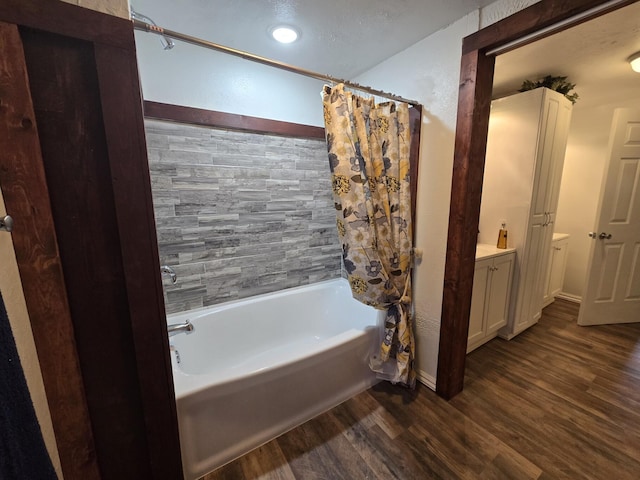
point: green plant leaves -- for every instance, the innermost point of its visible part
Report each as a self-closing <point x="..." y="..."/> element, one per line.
<point x="558" y="84"/>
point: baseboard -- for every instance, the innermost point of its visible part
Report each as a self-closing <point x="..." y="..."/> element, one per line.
<point x="426" y="379"/>
<point x="548" y="302"/>
<point x="570" y="298"/>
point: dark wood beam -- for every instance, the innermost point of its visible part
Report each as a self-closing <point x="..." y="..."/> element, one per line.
<point x="415" y="117"/>
<point x="66" y="19"/>
<point x="85" y="238"/>
<point x="67" y="104"/>
<point x="26" y="196"/>
<point x="474" y="104"/>
<point x="533" y="19"/>
<point x="211" y="118"/>
<point x="120" y="101"/>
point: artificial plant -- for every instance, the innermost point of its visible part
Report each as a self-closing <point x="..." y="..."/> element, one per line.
<point x="558" y="84"/>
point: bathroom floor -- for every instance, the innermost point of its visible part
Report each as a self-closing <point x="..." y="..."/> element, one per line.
<point x="558" y="401"/>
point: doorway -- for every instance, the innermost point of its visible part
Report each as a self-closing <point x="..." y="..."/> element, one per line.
<point x="477" y="73"/>
<point x="604" y="82"/>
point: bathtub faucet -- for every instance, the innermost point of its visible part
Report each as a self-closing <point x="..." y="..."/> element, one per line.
<point x="176" y="328"/>
<point x="166" y="270"/>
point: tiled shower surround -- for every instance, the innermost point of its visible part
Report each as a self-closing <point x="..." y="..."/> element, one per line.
<point x="239" y="214"/>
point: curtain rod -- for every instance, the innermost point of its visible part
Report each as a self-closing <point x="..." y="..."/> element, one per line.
<point x="146" y="27"/>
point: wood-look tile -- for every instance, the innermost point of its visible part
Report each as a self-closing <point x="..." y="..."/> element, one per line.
<point x="269" y="463"/>
<point x="309" y="454"/>
<point x="400" y="461"/>
<point x="264" y="463"/>
<point x="557" y="402"/>
<point x="214" y="189"/>
<point x="349" y="465"/>
<point x="509" y="465"/>
<point x="363" y="445"/>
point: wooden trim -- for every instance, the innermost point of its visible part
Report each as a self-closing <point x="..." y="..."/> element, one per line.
<point x="474" y="105"/>
<point x="210" y="118"/>
<point x="134" y="427"/>
<point x="67" y="102"/>
<point x="476" y="79"/>
<point x="415" y="117"/>
<point x="68" y="20"/>
<point x="124" y="127"/>
<point x="533" y="19"/>
<point x="26" y="195"/>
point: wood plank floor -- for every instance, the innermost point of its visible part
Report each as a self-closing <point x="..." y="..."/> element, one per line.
<point x="557" y="402"/>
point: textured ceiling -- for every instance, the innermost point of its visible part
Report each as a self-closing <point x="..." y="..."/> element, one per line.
<point x="593" y="55"/>
<point x="342" y="38"/>
<point x="346" y="38"/>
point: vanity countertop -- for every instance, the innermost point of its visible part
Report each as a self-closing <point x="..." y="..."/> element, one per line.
<point x="484" y="250"/>
<point x="560" y="236"/>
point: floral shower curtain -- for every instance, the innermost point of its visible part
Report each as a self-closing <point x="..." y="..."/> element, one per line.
<point x="369" y="147"/>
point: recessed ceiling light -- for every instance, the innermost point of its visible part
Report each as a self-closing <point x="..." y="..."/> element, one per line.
<point x="634" y="61"/>
<point x="285" y="34"/>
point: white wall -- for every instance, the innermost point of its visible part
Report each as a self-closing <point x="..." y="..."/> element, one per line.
<point x="587" y="152"/>
<point x="196" y="77"/>
<point x="502" y="9"/>
<point x="429" y="72"/>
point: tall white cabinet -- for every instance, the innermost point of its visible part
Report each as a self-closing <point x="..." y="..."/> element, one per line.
<point x="525" y="155"/>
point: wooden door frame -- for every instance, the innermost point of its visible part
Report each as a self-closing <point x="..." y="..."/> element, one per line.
<point x="474" y="103"/>
<point x="108" y="416"/>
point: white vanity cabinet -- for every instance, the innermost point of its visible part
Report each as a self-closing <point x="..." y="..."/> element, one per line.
<point x="491" y="291"/>
<point x="557" y="266"/>
<point x="525" y="155"/>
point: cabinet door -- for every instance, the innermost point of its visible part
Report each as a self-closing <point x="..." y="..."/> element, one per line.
<point x="541" y="274"/>
<point x="558" y="154"/>
<point x="544" y="168"/>
<point x="530" y="293"/>
<point x="499" y="292"/>
<point x="554" y="130"/>
<point x="478" y="297"/>
<point x="559" y="252"/>
<point x="547" y="297"/>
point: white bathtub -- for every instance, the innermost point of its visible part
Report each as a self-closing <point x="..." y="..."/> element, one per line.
<point x="257" y="367"/>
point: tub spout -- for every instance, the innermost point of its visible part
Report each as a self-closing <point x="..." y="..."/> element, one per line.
<point x="167" y="270"/>
<point x="176" y="328"/>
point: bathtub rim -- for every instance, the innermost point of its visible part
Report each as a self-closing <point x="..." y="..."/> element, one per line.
<point x="181" y="316"/>
<point x="186" y="384"/>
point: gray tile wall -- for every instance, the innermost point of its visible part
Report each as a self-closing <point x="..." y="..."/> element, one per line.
<point x="239" y="214"/>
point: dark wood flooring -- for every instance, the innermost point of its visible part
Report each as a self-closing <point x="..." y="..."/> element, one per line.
<point x="559" y="401"/>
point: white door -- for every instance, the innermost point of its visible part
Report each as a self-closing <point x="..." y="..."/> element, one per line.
<point x="612" y="294"/>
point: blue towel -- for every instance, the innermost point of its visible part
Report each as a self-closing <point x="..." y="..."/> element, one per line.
<point x="23" y="455"/>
